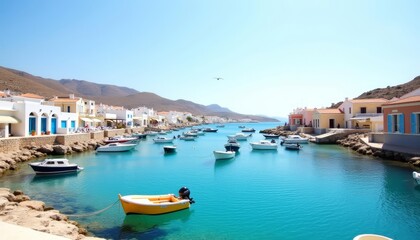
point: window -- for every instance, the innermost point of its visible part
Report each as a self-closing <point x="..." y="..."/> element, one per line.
<point x="68" y="108"/>
<point x="363" y="110"/>
<point x="349" y="110"/>
<point x="378" y="110"/>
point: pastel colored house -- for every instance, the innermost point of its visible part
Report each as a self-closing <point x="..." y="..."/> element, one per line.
<point x="363" y="113"/>
<point x="33" y="116"/>
<point x="401" y="119"/>
<point x="325" y="119"/>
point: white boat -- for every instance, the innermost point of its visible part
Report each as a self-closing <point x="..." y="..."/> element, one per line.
<point x="416" y="177"/>
<point x="54" y="166"/>
<point x="248" y="130"/>
<point x="264" y="145"/>
<point x="224" y="154"/>
<point x="293" y="146"/>
<point x="295" y="139"/>
<point x="240" y="136"/>
<point x="271" y="136"/>
<point x="120" y="139"/>
<point x="163" y="140"/>
<point x="151" y="133"/>
<point x="187" y="138"/>
<point x="116" y="147"/>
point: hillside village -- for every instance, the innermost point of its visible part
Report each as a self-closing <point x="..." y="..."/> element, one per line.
<point x="32" y="115"/>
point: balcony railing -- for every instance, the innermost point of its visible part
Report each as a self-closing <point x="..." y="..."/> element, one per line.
<point x="369" y="114"/>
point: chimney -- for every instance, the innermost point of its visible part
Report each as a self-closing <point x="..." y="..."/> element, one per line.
<point x="71" y="95"/>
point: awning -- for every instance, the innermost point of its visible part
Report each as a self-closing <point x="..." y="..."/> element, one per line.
<point x="96" y="120"/>
<point x="8" y="119"/>
<point x="360" y="119"/>
<point x="86" y="119"/>
<point x="137" y="117"/>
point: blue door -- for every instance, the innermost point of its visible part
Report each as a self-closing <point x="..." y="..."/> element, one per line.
<point x="44" y="124"/>
<point x="32" y="124"/>
<point x="53" y="125"/>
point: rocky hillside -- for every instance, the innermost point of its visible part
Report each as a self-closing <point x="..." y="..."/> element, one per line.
<point x="388" y="92"/>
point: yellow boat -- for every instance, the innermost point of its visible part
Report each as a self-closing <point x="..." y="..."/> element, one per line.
<point x="156" y="204"/>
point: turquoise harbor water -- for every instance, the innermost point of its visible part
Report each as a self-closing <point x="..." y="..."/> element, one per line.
<point x="322" y="192"/>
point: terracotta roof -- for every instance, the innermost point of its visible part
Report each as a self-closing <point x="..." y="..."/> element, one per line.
<point x="404" y="100"/>
<point x="329" y="110"/>
<point x="64" y="99"/>
<point x="31" y="95"/>
<point x="370" y="100"/>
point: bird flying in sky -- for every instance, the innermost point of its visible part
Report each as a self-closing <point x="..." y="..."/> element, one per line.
<point x="218" y="78"/>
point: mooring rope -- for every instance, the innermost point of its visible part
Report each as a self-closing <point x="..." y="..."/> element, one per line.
<point x="93" y="213"/>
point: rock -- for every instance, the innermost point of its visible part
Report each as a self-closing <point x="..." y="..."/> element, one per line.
<point x="4" y="165"/>
<point x="17" y="192"/>
<point x="47" y="149"/>
<point x="77" y="148"/>
<point x="33" y="204"/>
<point x="60" y="149"/>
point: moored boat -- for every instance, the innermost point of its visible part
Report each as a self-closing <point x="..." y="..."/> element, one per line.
<point x="264" y="145"/>
<point x="248" y="130"/>
<point x="232" y="145"/>
<point x="271" y="136"/>
<point x="210" y="130"/>
<point x="163" y="140"/>
<point x="120" y="139"/>
<point x="295" y="139"/>
<point x="116" y="147"/>
<point x="55" y="166"/>
<point x="224" y="154"/>
<point x="240" y="136"/>
<point x="156" y="204"/>
<point x="293" y="146"/>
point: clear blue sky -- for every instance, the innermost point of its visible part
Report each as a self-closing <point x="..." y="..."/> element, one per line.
<point x="274" y="56"/>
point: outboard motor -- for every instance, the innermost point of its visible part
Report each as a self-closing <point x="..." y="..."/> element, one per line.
<point x="184" y="193"/>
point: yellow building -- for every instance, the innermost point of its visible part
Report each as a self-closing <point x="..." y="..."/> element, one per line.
<point x="323" y="119"/>
<point x="363" y="113"/>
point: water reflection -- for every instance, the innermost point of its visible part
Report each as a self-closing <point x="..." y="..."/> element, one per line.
<point x="137" y="226"/>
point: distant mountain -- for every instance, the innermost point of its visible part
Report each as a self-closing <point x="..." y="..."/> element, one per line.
<point x="22" y="82"/>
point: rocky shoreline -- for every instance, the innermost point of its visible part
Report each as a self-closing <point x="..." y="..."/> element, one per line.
<point x="17" y="208"/>
<point x="356" y="143"/>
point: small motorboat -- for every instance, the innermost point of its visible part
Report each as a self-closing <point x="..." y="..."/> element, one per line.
<point x="156" y="204"/>
<point x="271" y="136"/>
<point x="241" y="126"/>
<point x="55" y="166"/>
<point x="120" y="139"/>
<point x="163" y="140"/>
<point x="292" y="146"/>
<point x="224" y="154"/>
<point x="264" y="145"/>
<point x="248" y="130"/>
<point x="416" y="177"/>
<point x="187" y="138"/>
<point x="116" y="147"/>
<point x="169" y="149"/>
<point x="295" y="139"/>
<point x="232" y="145"/>
<point x="210" y="130"/>
<point x="240" y="136"/>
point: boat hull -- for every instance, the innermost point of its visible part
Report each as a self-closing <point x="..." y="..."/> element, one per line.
<point x="169" y="149"/>
<point x="54" y="170"/>
<point x="119" y="148"/>
<point x="152" y="204"/>
<point x="219" y="155"/>
<point x="257" y="146"/>
<point x="292" y="146"/>
<point x="231" y="147"/>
